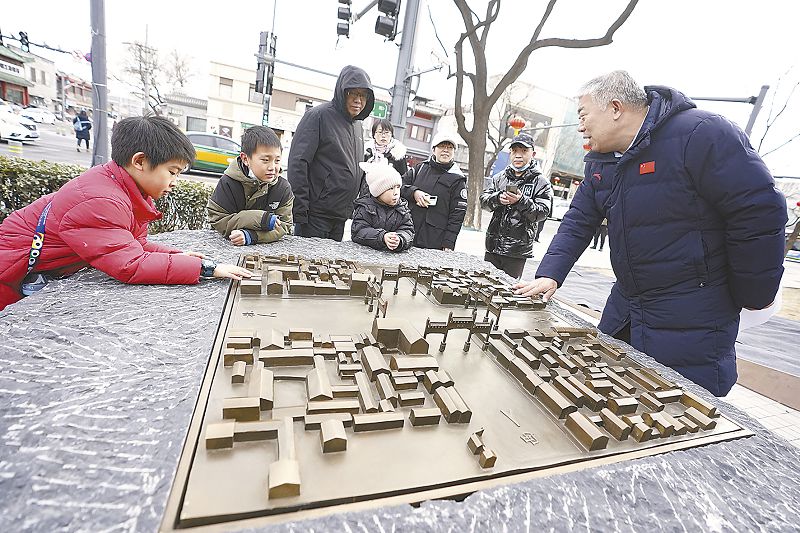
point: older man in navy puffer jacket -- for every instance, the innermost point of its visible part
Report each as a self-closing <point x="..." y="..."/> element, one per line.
<point x="696" y="226"/>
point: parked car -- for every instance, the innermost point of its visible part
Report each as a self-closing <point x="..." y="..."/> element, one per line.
<point x="38" y="114"/>
<point x="16" y="128"/>
<point x="214" y="152"/>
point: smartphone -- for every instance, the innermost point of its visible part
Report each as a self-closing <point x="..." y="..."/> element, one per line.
<point x="512" y="189"/>
<point x="431" y="200"/>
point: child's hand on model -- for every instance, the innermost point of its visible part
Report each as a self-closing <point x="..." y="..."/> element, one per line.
<point x="391" y="239"/>
<point x="231" y="271"/>
<point x="237" y="237"/>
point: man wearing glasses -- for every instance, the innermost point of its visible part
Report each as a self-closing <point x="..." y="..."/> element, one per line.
<point x="323" y="160"/>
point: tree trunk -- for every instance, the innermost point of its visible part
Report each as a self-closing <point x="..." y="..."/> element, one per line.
<point x="789" y="242"/>
<point x="477" y="148"/>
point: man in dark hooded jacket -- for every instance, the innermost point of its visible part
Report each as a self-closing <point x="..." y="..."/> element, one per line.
<point x="695" y="226"/>
<point x="323" y="160"/>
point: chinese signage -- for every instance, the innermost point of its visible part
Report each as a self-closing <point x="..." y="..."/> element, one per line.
<point x="11" y="68"/>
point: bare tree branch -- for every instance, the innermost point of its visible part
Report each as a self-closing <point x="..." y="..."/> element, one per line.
<point x="796" y="136"/>
<point x="522" y="59"/>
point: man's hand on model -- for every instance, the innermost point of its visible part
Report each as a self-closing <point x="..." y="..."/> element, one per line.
<point x="544" y="286"/>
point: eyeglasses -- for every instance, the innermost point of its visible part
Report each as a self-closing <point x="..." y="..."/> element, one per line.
<point x="363" y="95"/>
<point x="383" y="132"/>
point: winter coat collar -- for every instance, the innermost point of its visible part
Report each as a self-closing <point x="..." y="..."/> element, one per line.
<point x="450" y="167"/>
<point x="530" y="174"/>
<point x="396" y="149"/>
<point x="143" y="207"/>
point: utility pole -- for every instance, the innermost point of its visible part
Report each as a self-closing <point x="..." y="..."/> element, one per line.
<point x="756" y="101"/>
<point x="402" y="78"/>
<point x="99" y="82"/>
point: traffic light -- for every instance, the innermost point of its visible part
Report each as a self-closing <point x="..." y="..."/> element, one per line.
<point x="23" y="42"/>
<point x="343" y="28"/>
<point x="386" y="24"/>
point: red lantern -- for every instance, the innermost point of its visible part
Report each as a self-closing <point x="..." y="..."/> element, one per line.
<point x="517" y="123"/>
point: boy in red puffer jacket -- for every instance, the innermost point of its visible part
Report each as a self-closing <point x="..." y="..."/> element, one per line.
<point x="100" y="219"/>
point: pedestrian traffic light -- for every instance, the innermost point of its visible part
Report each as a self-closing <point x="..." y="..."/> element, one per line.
<point x="23" y="41"/>
<point x="343" y="28"/>
<point x="386" y="24"/>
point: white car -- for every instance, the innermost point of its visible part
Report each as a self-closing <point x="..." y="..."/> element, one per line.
<point x="16" y="128"/>
<point x="38" y="114"/>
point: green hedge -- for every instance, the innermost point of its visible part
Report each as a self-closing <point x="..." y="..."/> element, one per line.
<point x="22" y="181"/>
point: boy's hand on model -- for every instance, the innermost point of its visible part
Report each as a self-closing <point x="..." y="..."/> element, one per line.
<point x="194" y="254"/>
<point x="237" y="237"/>
<point x="391" y="239"/>
<point x="544" y="286"/>
<point x="231" y="271"/>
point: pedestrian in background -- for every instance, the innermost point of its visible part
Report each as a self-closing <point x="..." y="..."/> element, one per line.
<point x="81" y="124"/>
<point x="436" y="190"/>
<point x="697" y="225"/>
<point x="519" y="197"/>
<point x="323" y="160"/>
<point x="384" y="145"/>
<point x="601" y="234"/>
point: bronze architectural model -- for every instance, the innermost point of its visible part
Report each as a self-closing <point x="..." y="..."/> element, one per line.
<point x="335" y="382"/>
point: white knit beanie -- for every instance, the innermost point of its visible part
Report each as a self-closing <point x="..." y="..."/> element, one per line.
<point x="381" y="176"/>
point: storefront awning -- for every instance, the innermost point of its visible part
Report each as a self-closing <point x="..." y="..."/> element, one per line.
<point x="10" y="78"/>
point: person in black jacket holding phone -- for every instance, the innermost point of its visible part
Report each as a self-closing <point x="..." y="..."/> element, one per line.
<point x="436" y="190"/>
<point x="519" y="198"/>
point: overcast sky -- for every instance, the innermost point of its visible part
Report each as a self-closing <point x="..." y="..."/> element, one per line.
<point x="701" y="47"/>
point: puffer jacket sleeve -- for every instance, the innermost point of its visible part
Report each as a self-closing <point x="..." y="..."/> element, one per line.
<point x="730" y="175"/>
<point x="576" y="230"/>
<point x="225" y="216"/>
<point x="406" y="231"/>
<point x="304" y="146"/>
<point x="537" y="208"/>
<point x="490" y="198"/>
<point x="284" y="213"/>
<point x="98" y="230"/>
<point x="458" y="210"/>
<point x="153" y="247"/>
<point x="363" y="230"/>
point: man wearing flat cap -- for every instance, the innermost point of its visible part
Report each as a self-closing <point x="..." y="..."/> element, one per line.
<point x="519" y="197"/>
